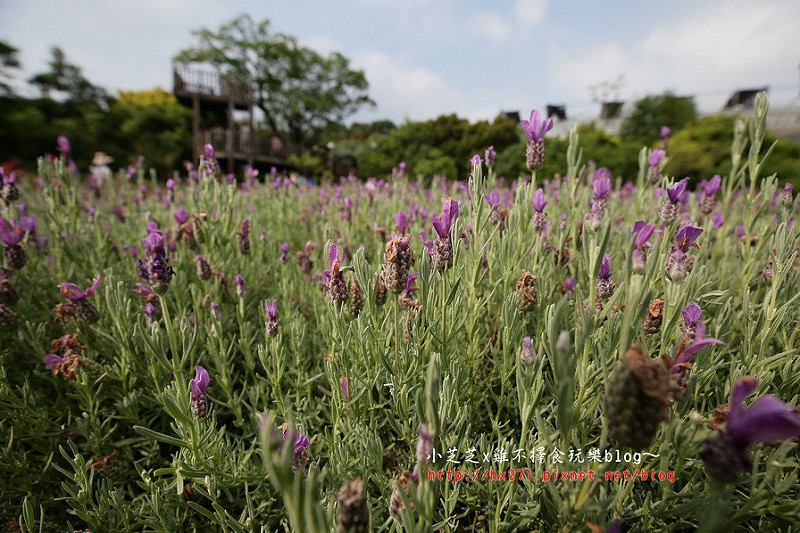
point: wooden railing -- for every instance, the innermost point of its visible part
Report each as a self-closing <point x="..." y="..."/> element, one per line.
<point x="189" y="81"/>
<point x="238" y="145"/>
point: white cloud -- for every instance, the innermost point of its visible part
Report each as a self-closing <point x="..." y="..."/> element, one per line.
<point x="530" y="12"/>
<point x="490" y="26"/>
<point x="400" y="90"/>
<point x="710" y="52"/>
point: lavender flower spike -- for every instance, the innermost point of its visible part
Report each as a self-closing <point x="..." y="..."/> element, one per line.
<point x="441" y="252"/>
<point x="691" y="318"/>
<point x="74" y="293"/>
<point x="766" y="420"/>
<point x="691" y="315"/>
<point x="154" y="268"/>
<point x="535" y="128"/>
<point x="669" y="210"/>
<point x="534" y="155"/>
<point x="538" y="220"/>
<point x="443" y="224"/>
<point x="199" y="404"/>
<point x="272" y="314"/>
<point x="674" y="193"/>
<point x="10" y="236"/>
<point x="605" y="287"/>
<point x="80" y="306"/>
<point x="656" y="156"/>
<point x="653" y="171"/>
<point x="686" y="237"/>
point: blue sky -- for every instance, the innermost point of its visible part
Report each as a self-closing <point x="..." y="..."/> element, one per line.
<point x="424" y="58"/>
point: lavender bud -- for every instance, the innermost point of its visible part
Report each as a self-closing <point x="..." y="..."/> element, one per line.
<point x="527" y="355"/>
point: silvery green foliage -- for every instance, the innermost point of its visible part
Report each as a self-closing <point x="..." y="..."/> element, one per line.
<point x="461" y="375"/>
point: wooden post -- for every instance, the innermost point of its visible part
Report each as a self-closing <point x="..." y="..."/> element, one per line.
<point x="229" y="135"/>
<point x="195" y="129"/>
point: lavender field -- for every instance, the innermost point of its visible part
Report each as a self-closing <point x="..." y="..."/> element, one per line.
<point x="585" y="352"/>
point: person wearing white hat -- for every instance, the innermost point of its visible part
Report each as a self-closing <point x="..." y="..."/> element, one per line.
<point x="99" y="168"/>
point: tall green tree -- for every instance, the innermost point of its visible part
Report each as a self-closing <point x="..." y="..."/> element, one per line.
<point x="68" y="80"/>
<point x="299" y="91"/>
<point x="644" y="124"/>
<point x="8" y="61"/>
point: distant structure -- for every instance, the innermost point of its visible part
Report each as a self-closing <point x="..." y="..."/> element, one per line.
<point x="784" y="121"/>
<point x="558" y="112"/>
<point x="743" y="99"/>
<point x="222" y="115"/>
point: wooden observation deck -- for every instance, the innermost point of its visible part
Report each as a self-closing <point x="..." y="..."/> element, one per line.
<point x="222" y="115"/>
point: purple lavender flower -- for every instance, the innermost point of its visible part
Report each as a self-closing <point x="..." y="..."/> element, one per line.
<point x="181" y="217"/>
<point x="241" y="290"/>
<point x="656" y="156"/>
<point x="442" y="251"/>
<point x="767" y="419"/>
<point x="699" y="342"/>
<point x="675" y="265"/>
<point x="669" y="210"/>
<point x="686" y="237"/>
<point x="602" y="188"/>
<point x="215" y="311"/>
<point x="199" y="403"/>
<point x="475" y="161"/>
<point x="301" y="444"/>
<point x="535" y="130"/>
<point x="52" y="360"/>
<point x="717" y="219"/>
<point x="80" y="306"/>
<point x="63" y="145"/>
<point x="642" y="233"/>
<point x="676" y="191"/>
<point x="343" y="384"/>
<point x="654" y="170"/>
<point x="665" y="133"/>
<point x="424" y="445"/>
<point x="272" y="315"/>
<point x="493" y="199"/>
<point x="401" y="219"/>
<point x="539" y="203"/>
<point x="443" y="224"/>
<point x="569" y="284"/>
<point x="150" y="313"/>
<point x="707" y="192"/>
<point x="74" y="293"/>
<point x="333" y="283"/>
<point x="155" y="268"/>
<point x="527" y="355"/>
<point x="490" y="156"/>
<point x="691" y="318"/>
<point x="284" y="257"/>
<point x="209" y="167"/>
<point x="605" y="287"/>
<point x="11" y="235"/>
<point x="9" y="191"/>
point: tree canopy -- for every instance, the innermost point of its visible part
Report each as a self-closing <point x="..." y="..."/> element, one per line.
<point x="299" y="91"/>
<point x="652" y="112"/>
<point x="67" y="78"/>
<point x="8" y="61"/>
